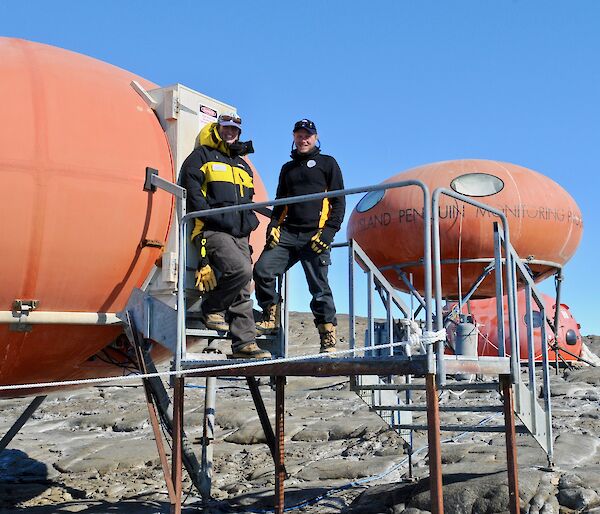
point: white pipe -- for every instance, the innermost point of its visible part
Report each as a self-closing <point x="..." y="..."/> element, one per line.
<point x="59" y="318"/>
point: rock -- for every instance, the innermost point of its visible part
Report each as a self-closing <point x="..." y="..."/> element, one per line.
<point x="329" y="469"/>
<point x="577" y="498"/>
<point x="253" y="433"/>
<point x="588" y="375"/>
<point x="310" y="434"/>
<point x="100" y="441"/>
<point x="574" y="449"/>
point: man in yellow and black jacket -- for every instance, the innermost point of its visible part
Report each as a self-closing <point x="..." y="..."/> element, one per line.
<point x="303" y="232"/>
<point x="215" y="175"/>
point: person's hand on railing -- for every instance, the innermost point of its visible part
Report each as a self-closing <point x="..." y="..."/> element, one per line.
<point x="206" y="279"/>
<point x="273" y="236"/>
<point x="322" y="240"/>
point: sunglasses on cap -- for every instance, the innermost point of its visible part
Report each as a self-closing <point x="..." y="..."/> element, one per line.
<point x="229" y="117"/>
<point x="306" y="125"/>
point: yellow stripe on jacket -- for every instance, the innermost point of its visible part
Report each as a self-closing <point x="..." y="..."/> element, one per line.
<point x="222" y="172"/>
<point x="324" y="212"/>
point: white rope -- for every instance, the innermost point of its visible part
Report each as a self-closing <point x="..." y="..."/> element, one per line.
<point x="433" y="337"/>
<point x="238" y="365"/>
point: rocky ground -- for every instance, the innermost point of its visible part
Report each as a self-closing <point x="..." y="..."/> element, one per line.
<point x="93" y="451"/>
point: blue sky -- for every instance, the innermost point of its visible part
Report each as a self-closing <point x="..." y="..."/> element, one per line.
<point x="390" y="84"/>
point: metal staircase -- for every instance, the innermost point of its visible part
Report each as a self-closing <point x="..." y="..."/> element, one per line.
<point x="395" y="402"/>
<point x="394" y="347"/>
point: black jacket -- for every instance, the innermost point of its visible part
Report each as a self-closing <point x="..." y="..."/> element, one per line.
<point x="215" y="178"/>
<point x="306" y="174"/>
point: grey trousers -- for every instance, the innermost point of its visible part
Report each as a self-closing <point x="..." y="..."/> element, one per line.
<point x="294" y="246"/>
<point x="230" y="256"/>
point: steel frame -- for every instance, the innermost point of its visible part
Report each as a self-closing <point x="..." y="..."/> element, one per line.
<point x="434" y="369"/>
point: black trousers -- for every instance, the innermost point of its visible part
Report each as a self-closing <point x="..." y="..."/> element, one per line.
<point x="230" y="256"/>
<point x="294" y="246"/>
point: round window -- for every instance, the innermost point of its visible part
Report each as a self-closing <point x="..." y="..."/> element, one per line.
<point x="571" y="337"/>
<point x="477" y="184"/>
<point x="370" y="200"/>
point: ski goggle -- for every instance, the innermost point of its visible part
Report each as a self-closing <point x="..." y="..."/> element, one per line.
<point x="229" y="117"/>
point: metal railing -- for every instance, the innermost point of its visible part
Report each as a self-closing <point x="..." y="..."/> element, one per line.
<point x="515" y="270"/>
<point x="532" y="296"/>
<point x="437" y="273"/>
<point x="431" y="262"/>
<point x="186" y="218"/>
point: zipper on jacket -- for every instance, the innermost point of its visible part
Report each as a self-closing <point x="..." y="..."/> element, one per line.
<point x="237" y="196"/>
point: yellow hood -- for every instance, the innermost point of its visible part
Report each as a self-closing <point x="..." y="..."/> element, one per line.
<point x="209" y="136"/>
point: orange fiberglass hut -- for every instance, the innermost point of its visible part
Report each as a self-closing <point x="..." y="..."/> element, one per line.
<point x="78" y="230"/>
<point x="545" y="229"/>
<point x="545" y="223"/>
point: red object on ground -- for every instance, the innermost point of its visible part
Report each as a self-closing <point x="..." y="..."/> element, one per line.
<point x="486" y="319"/>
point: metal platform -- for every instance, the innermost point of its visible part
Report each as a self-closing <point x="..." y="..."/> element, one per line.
<point x="418" y="365"/>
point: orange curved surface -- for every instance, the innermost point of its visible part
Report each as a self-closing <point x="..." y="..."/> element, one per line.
<point x="545" y="224"/>
<point x="484" y="315"/>
<point x="75" y="142"/>
<point x="257" y="237"/>
<point x="74" y="214"/>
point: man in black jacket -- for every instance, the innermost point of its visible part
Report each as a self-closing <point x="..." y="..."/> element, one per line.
<point x="215" y="175"/>
<point x="303" y="232"/>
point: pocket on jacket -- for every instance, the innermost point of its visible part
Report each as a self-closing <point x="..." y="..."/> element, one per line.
<point x="325" y="259"/>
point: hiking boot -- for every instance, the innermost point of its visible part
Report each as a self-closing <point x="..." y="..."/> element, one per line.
<point x="250" y="351"/>
<point x="269" y="324"/>
<point x="215" y="321"/>
<point x="327" y="335"/>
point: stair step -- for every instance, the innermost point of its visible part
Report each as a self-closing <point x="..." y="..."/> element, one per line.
<point x="206" y="333"/>
<point x="463" y="428"/>
<point x="473" y="386"/>
<point x="442" y="408"/>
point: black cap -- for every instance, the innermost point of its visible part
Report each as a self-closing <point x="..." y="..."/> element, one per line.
<point x="306" y="125"/>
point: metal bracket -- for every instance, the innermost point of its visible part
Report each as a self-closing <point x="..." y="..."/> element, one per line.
<point x="155" y="319"/>
<point x="20" y="311"/>
<point x="148" y="185"/>
<point x="153" y="181"/>
<point x="152" y="103"/>
<point x="25" y="306"/>
<point x="151" y="243"/>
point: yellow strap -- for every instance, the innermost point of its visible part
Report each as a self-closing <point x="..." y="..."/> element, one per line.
<point x="198" y="226"/>
<point x="324" y="212"/>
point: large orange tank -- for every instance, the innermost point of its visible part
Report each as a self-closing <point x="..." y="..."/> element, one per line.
<point x="78" y="231"/>
<point x="545" y="222"/>
<point x="485" y="317"/>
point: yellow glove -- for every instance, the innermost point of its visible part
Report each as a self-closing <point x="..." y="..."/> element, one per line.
<point x="205" y="276"/>
<point x="317" y="244"/>
<point x="273" y="235"/>
<point x="205" y="279"/>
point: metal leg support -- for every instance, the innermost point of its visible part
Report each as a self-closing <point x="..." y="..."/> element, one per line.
<point x="161" y="403"/>
<point x="279" y="433"/>
<point x="177" y="446"/>
<point x="263" y="417"/>
<point x="511" y="445"/>
<point x="435" y="451"/>
<point x="17" y="425"/>
<point x="154" y="419"/>
<point x="208" y="436"/>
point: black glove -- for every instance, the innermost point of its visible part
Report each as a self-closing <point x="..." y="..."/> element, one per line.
<point x="273" y="235"/>
<point x="322" y="240"/>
